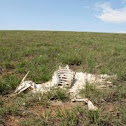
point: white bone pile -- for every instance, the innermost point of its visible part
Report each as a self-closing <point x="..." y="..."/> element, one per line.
<point x="66" y="78"/>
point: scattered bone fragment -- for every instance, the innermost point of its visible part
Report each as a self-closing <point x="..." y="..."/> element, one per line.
<point x="91" y="107"/>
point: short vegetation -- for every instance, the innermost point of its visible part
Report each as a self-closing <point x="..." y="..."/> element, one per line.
<point x="41" y="52"/>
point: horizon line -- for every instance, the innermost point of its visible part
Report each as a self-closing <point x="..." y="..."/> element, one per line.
<point x="63" y="31"/>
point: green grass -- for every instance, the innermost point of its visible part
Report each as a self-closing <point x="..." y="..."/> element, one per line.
<point x="41" y="52"/>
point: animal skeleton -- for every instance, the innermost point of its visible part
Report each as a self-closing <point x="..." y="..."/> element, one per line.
<point x="66" y="78"/>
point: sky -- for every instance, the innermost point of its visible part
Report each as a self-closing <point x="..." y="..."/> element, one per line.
<point x="64" y="15"/>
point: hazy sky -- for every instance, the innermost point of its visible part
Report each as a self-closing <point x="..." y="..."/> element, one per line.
<point x="63" y="15"/>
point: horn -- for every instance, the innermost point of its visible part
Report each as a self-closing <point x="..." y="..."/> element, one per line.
<point x="24" y="77"/>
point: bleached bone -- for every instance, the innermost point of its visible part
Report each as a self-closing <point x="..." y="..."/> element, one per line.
<point x="81" y="79"/>
<point x="35" y="88"/>
<point x="90" y="104"/>
<point x="24" y="77"/>
<point x="66" y="78"/>
<point x="23" y="85"/>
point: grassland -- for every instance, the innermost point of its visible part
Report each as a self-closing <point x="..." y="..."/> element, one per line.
<point x="41" y="52"/>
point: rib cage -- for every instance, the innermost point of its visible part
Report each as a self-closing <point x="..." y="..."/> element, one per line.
<point x="65" y="77"/>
